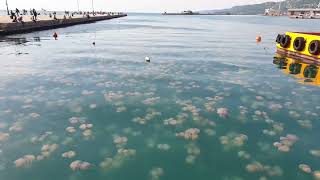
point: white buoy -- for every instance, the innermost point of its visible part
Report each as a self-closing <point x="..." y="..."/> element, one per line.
<point x="147" y="59"/>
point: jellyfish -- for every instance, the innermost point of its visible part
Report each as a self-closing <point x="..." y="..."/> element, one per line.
<point x="20" y="162"/>
<point x="75" y="165"/>
<point x="3" y="125"/>
<point x="24" y="161"/>
<point x="4" y="137"/>
<point x="17" y="127"/>
<point x="69" y="154"/>
<point x="121" y="109"/>
<point x="71" y="129"/>
<point x="67" y="141"/>
<point x="126" y="152"/>
<point x="85" y="126"/>
<point x="315" y="153"/>
<point x="87" y="133"/>
<point x="86" y="92"/>
<point x="190" y="159"/>
<point x="45" y="147"/>
<point x="170" y="121"/>
<point x="316" y="175"/>
<point x="92" y="106"/>
<point x="222" y="112"/>
<point x="305" y="168"/>
<point x="40" y="157"/>
<point x="243" y="155"/>
<point x="192" y="133"/>
<point x="106" y="164"/>
<point x="286" y="142"/>
<point x="156" y="173"/>
<point x="164" y="147"/>
<point x="120" y="140"/>
<point x="275" y="107"/>
<point x="34" y="115"/>
<point x="84" y="166"/>
<point x="254" y="167"/>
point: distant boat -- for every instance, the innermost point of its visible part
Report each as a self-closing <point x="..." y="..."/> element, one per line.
<point x="182" y="13"/>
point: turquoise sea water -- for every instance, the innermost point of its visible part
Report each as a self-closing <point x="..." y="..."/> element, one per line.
<point x="207" y="77"/>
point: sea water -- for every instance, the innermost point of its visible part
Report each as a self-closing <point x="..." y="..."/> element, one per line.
<point x="209" y="105"/>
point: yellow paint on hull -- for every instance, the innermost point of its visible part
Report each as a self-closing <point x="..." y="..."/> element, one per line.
<point x="305" y="52"/>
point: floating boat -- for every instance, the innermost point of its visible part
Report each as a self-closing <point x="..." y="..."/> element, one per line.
<point x="182" y="13"/>
<point x="305" y="72"/>
<point x="299" y="45"/>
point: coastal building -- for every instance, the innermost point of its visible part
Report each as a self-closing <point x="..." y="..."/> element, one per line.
<point x="305" y="13"/>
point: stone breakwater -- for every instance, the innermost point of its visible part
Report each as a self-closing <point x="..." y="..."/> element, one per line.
<point x="45" y="23"/>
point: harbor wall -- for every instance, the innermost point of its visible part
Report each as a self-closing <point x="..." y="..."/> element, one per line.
<point x="16" y="28"/>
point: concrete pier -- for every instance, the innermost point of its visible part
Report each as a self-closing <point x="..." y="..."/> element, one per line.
<point x="44" y="23"/>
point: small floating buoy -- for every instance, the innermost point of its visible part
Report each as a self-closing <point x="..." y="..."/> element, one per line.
<point x="147" y="59"/>
<point x="94" y="43"/>
<point x="258" y="39"/>
<point x="55" y="35"/>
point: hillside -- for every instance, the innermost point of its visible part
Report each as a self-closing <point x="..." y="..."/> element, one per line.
<point x="260" y="8"/>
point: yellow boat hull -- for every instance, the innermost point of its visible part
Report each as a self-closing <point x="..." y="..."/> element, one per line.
<point x="290" y="51"/>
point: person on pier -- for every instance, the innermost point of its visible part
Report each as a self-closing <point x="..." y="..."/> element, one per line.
<point x="55" y="16"/>
<point x="17" y="12"/>
<point x="35" y="14"/>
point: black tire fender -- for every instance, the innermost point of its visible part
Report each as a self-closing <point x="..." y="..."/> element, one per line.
<point x="285" y="41"/>
<point x="314" y="47"/>
<point x="299" y="44"/>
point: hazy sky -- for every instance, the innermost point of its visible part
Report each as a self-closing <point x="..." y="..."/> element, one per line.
<point x="128" y="5"/>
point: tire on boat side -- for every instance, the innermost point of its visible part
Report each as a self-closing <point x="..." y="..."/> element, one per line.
<point x="314" y="47"/>
<point x="278" y="39"/>
<point x="285" y="41"/>
<point x="299" y="44"/>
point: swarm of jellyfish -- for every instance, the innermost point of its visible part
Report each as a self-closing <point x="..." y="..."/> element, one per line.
<point x="257" y="167"/>
<point x="232" y="140"/>
<point x="41" y="138"/>
<point x="193" y="152"/>
<point x="151" y="114"/>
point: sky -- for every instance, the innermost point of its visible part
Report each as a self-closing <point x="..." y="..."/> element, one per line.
<point x="127" y="5"/>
